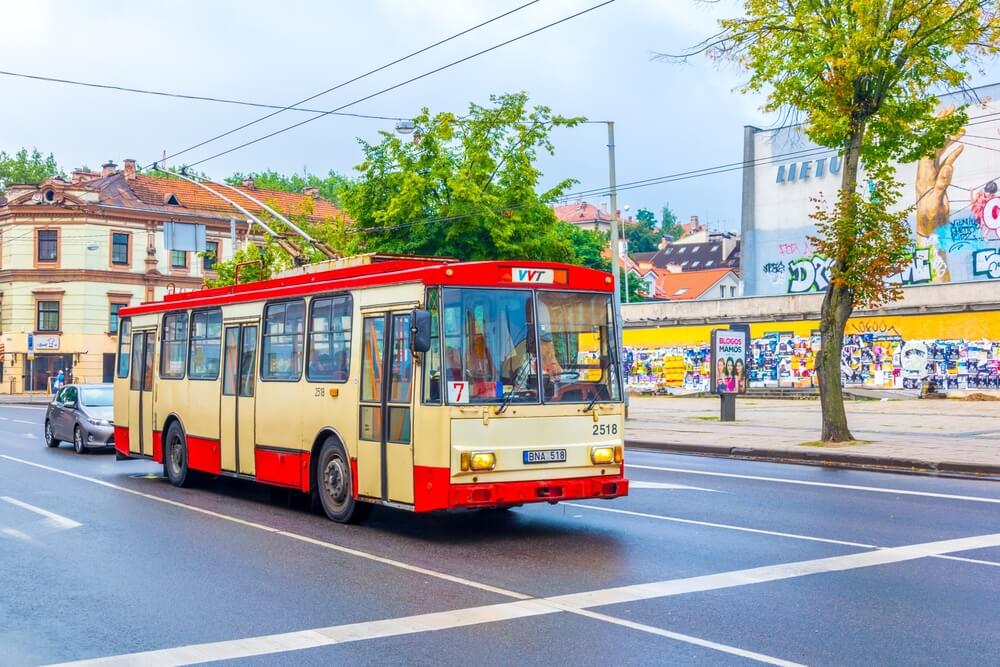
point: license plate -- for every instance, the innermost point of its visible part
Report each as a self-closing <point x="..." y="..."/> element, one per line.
<point x="545" y="456"/>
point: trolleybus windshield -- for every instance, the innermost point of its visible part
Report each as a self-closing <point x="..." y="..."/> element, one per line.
<point x="514" y="346"/>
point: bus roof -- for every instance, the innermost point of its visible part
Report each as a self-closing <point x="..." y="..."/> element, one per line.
<point x="390" y="271"/>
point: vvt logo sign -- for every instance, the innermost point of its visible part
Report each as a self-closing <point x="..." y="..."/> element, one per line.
<point x="538" y="276"/>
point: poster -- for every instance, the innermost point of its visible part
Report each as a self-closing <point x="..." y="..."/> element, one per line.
<point x="729" y="361"/>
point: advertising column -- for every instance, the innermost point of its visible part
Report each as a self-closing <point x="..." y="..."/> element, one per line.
<point x="729" y="369"/>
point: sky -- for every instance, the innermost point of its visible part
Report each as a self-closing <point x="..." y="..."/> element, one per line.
<point x="669" y="118"/>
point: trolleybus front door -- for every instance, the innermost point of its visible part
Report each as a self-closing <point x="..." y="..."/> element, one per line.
<point x="385" y="448"/>
<point x="140" y="395"/>
<point x="238" y="437"/>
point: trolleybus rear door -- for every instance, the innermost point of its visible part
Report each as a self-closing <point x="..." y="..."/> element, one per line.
<point x="238" y="437"/>
<point x="140" y="399"/>
<point x="385" y="453"/>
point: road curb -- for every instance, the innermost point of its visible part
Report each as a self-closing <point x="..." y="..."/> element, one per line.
<point x="825" y="458"/>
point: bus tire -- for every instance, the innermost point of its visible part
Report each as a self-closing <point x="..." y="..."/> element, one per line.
<point x="175" y="456"/>
<point x="334" y="484"/>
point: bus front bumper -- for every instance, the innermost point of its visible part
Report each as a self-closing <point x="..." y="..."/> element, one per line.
<point x="504" y="494"/>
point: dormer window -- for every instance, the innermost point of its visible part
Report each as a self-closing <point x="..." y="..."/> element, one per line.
<point x="172" y="200"/>
<point x="50" y="196"/>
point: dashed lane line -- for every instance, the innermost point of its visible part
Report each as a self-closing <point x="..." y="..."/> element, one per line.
<point x="576" y="603"/>
<point x="25" y="421"/>
<point x="832" y="485"/>
<point x="275" y="531"/>
<point x="51" y="518"/>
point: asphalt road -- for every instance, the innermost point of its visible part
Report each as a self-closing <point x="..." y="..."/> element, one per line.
<point x="708" y="561"/>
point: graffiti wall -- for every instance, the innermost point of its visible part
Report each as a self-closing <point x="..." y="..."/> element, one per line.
<point x="955" y="221"/>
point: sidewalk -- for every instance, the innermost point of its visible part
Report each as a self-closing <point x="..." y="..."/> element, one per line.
<point x="25" y="399"/>
<point x="917" y="435"/>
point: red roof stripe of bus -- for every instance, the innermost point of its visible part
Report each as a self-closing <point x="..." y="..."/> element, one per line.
<point x="467" y="274"/>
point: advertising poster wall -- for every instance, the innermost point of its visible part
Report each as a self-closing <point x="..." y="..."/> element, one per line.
<point x="954" y="224"/>
<point x="729" y="362"/>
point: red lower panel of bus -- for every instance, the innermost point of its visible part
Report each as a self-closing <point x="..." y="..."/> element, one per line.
<point x="203" y="454"/>
<point x="158" y="446"/>
<point x="280" y="467"/>
<point x="432" y="490"/>
<point x="121" y="439"/>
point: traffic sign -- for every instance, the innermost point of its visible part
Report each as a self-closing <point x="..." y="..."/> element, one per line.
<point x="31" y="343"/>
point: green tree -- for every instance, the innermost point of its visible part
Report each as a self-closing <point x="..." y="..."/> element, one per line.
<point x="463" y="187"/>
<point x="861" y="73"/>
<point x="330" y="186"/>
<point x="643" y="235"/>
<point x="669" y="226"/>
<point x="26" y="168"/>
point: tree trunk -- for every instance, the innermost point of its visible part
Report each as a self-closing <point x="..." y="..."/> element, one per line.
<point x="838" y="304"/>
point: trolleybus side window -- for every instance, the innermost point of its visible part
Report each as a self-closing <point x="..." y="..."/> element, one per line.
<point x="124" y="347"/>
<point x="137" y="344"/>
<point x="330" y="339"/>
<point x="206" y="337"/>
<point x="432" y="358"/>
<point x="283" y="341"/>
<point x="174" y="346"/>
<point x="231" y="368"/>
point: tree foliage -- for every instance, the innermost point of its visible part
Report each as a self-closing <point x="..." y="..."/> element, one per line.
<point x="669" y="226"/>
<point x="862" y="74"/>
<point x="463" y="187"/>
<point x="25" y="167"/>
<point x="330" y="186"/>
<point x="643" y="235"/>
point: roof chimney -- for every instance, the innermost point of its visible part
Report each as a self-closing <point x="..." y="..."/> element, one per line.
<point x="249" y="184"/>
<point x="129" y="169"/>
<point x="82" y="176"/>
<point x="694" y="222"/>
<point x="108" y="168"/>
<point x="311" y="191"/>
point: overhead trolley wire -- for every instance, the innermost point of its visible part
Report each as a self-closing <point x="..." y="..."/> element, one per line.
<point x="404" y="83"/>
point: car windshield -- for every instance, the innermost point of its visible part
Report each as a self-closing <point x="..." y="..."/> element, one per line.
<point x="97" y="397"/>
<point x="500" y="346"/>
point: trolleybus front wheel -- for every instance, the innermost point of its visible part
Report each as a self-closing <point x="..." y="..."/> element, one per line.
<point x="175" y="459"/>
<point x="334" y="485"/>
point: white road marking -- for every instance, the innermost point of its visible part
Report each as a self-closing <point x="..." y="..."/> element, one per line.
<point x="768" y="573"/>
<point x="970" y="560"/>
<point x="283" y="533"/>
<point x="51" y="518"/>
<point x="851" y="487"/>
<point x="637" y="484"/>
<point x="15" y="533"/>
<point x="25" y="421"/>
<point x="709" y="524"/>
<point x="577" y="603"/>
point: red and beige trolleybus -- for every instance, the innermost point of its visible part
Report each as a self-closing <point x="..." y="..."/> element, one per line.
<point x="415" y="383"/>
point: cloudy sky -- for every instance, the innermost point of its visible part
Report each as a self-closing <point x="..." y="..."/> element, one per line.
<point x="669" y="118"/>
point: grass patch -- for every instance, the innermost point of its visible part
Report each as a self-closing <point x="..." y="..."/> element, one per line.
<point x="834" y="445"/>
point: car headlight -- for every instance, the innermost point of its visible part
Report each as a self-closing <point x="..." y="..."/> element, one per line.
<point x="100" y="422"/>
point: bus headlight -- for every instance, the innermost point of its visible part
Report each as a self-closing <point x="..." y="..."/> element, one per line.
<point x="478" y="461"/>
<point x="599" y="455"/>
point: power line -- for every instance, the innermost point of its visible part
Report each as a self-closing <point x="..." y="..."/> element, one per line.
<point x="350" y="81"/>
<point x="201" y="98"/>
<point x="406" y="82"/>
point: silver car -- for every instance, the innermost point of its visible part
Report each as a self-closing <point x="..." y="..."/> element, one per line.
<point x="81" y="414"/>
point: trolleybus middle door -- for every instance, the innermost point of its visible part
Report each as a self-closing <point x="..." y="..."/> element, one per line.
<point x="236" y="413"/>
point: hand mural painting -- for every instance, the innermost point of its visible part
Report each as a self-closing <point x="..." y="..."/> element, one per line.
<point x="934" y="176"/>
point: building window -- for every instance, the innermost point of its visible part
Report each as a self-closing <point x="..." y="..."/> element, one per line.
<point x="48" y="316"/>
<point x="722" y="291"/>
<point x="178" y="259"/>
<point x="48" y="245"/>
<point x="281" y="358"/>
<point x="211" y="256"/>
<point x="330" y="340"/>
<point x="732" y="290"/>
<point x="206" y="339"/>
<point x="174" y="349"/>
<point x="119" y="248"/>
<point x="113" y="320"/>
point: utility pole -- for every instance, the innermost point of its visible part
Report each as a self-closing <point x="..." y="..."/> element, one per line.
<point x="616" y="298"/>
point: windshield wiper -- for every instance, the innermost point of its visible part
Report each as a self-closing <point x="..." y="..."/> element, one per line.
<point x="519" y="378"/>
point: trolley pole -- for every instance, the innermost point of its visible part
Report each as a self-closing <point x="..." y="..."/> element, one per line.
<point x="615" y="273"/>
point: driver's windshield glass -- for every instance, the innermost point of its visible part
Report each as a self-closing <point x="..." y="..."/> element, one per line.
<point x="488" y="335"/>
<point x="96" y="398"/>
<point x="574" y="339"/>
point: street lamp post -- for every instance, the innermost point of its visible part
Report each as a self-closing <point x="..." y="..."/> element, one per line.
<point x="616" y="298"/>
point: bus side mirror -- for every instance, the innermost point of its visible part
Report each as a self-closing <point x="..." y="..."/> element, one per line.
<point x="420" y="330"/>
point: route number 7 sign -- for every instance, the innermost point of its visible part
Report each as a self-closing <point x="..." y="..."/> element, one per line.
<point x="458" y="392"/>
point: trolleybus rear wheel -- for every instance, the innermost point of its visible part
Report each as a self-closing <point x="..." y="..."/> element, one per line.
<point x="334" y="485"/>
<point x="175" y="459"/>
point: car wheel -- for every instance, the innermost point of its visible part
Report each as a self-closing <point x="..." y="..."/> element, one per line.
<point x="78" y="446"/>
<point x="49" y="440"/>
<point x="175" y="459"/>
<point x="335" y="487"/>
